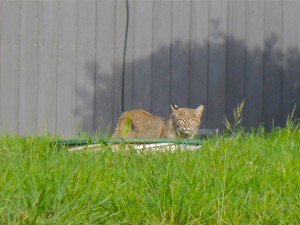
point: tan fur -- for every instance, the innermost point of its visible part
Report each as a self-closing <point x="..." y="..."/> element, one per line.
<point x="181" y="123"/>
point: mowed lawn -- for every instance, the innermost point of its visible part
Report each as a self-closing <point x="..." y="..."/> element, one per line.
<point x="238" y="178"/>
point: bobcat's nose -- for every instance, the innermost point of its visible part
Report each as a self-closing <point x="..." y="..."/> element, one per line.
<point x="186" y="130"/>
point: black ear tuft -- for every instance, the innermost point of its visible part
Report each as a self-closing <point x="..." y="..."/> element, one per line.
<point x="174" y="107"/>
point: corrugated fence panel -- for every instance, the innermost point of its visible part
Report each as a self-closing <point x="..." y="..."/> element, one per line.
<point x="199" y="56"/>
<point x="47" y="66"/>
<point x="119" y="40"/>
<point x="129" y="49"/>
<point x="160" y="102"/>
<point x="272" y="62"/>
<point x="297" y="78"/>
<point x="28" y="67"/>
<point x="104" y="89"/>
<point x="86" y="65"/>
<point x="9" y="66"/>
<point x="254" y="42"/>
<point x="291" y="65"/>
<point x="217" y="64"/>
<point x="180" y="52"/>
<point x="66" y="82"/>
<point x="235" y="56"/>
<point x="142" y="55"/>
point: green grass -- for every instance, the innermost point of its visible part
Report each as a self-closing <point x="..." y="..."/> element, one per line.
<point x="238" y="178"/>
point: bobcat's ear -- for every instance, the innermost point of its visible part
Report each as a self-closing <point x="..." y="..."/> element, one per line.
<point x="200" y="109"/>
<point x="174" y="107"/>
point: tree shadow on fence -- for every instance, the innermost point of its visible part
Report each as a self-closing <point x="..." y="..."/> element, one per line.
<point x="218" y="75"/>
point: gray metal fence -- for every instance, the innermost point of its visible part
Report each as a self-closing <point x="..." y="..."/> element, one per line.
<point x="61" y="62"/>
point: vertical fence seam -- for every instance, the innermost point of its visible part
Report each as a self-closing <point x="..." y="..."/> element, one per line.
<point x="207" y="64"/>
<point x="38" y="67"/>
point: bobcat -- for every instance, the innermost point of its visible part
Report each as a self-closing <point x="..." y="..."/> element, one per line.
<point x="181" y="123"/>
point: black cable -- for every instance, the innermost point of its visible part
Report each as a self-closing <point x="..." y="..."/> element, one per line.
<point x="124" y="55"/>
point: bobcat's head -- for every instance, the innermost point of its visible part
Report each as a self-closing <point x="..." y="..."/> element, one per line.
<point x="186" y="121"/>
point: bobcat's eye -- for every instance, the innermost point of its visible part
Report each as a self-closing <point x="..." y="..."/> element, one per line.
<point x="181" y="121"/>
<point x="192" y="121"/>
